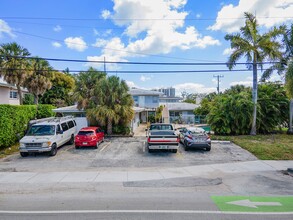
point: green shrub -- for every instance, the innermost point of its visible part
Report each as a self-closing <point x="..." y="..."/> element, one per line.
<point x="14" y="120"/>
<point x="230" y="113"/>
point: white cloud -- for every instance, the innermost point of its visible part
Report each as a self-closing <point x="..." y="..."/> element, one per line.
<point x="160" y="35"/>
<point x="193" y="88"/>
<point x="5" y="28"/>
<point x="228" y="51"/>
<point x="76" y="43"/>
<point x="106" y="14"/>
<point x="245" y="83"/>
<point x="198" y="15"/>
<point x="131" y="84"/>
<point x="56" y="44"/>
<point x="268" y="13"/>
<point x="113" y="50"/>
<point x="100" y="42"/>
<point x="144" y="78"/>
<point x="57" y="28"/>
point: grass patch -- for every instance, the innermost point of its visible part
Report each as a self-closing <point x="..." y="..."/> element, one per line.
<point x="264" y="147"/>
<point x="9" y="150"/>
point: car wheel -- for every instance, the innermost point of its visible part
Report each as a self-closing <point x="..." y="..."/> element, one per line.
<point x="150" y="150"/>
<point x="76" y="147"/>
<point x="71" y="141"/>
<point x="23" y="154"/>
<point x="53" y="151"/>
<point x="208" y="148"/>
<point x="97" y="144"/>
<point x="186" y="148"/>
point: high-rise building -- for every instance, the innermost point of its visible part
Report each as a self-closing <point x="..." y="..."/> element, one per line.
<point x="169" y="92"/>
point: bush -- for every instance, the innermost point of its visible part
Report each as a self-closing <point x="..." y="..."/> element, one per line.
<point x="14" y="121"/>
<point x="230" y="113"/>
<point x="119" y="129"/>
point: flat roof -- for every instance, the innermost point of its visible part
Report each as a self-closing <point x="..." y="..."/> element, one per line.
<point x="180" y="106"/>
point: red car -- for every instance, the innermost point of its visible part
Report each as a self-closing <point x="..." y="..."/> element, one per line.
<point x="89" y="137"/>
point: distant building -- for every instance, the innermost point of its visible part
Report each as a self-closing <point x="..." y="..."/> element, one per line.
<point x="169" y="92"/>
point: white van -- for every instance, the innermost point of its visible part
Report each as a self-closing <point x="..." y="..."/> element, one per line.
<point x="46" y="135"/>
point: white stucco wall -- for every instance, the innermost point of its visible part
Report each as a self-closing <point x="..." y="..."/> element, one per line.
<point x="4" y="97"/>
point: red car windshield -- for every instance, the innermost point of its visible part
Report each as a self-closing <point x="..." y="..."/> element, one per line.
<point x="86" y="133"/>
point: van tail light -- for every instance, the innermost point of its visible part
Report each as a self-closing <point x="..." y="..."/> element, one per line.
<point x="149" y="139"/>
<point x="177" y="140"/>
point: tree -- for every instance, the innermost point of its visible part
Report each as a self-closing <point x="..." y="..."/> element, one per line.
<point x="256" y="48"/>
<point x="60" y="94"/>
<point x="112" y="103"/>
<point x="284" y="67"/>
<point x="86" y="83"/>
<point x="14" y="65"/>
<point x="230" y="112"/>
<point x="38" y="81"/>
<point x="289" y="90"/>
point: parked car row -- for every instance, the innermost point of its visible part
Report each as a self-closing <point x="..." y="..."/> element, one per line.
<point x="47" y="135"/>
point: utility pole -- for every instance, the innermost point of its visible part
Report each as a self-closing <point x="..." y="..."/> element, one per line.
<point x="218" y="79"/>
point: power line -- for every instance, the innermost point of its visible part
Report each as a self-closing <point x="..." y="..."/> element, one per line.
<point x="140" y="19"/>
<point x="137" y="63"/>
<point x="138" y="71"/>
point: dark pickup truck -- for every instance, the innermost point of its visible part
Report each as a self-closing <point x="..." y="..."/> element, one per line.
<point x="162" y="137"/>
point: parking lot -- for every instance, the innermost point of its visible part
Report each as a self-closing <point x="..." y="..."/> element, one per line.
<point x="123" y="153"/>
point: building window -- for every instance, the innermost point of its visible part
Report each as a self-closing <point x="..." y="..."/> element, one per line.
<point x="155" y="99"/>
<point x="13" y="95"/>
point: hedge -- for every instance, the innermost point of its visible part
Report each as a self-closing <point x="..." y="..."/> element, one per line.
<point x="14" y="120"/>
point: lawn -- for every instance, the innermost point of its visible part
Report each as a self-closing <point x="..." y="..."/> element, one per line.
<point x="264" y="147"/>
<point x="10" y="150"/>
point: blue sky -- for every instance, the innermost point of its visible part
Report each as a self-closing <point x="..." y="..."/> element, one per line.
<point x="139" y="31"/>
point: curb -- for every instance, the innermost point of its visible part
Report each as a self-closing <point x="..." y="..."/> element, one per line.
<point x="221" y="142"/>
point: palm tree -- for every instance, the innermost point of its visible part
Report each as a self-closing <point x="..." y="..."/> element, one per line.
<point x="289" y="89"/>
<point x="39" y="79"/>
<point x="14" y="65"/>
<point x="113" y="103"/>
<point x="285" y="66"/>
<point x="256" y="48"/>
<point x="85" y="86"/>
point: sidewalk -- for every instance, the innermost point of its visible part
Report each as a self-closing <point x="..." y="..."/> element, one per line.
<point x="141" y="174"/>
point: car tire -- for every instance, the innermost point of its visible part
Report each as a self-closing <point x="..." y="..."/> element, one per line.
<point x="24" y="154"/>
<point x="103" y="139"/>
<point x="186" y="148"/>
<point x="208" y="148"/>
<point x="97" y="144"/>
<point x="53" y="151"/>
<point x="76" y="147"/>
<point x="71" y="141"/>
<point x="150" y="150"/>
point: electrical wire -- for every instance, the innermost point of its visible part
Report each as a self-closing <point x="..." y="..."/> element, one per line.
<point x="137" y="63"/>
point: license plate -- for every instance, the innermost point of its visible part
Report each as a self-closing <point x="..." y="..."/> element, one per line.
<point x="198" y="140"/>
<point x="84" y="142"/>
<point x="163" y="147"/>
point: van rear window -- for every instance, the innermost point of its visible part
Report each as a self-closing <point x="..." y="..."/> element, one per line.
<point x="64" y="126"/>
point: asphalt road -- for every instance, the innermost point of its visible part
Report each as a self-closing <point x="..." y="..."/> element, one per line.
<point x="115" y="202"/>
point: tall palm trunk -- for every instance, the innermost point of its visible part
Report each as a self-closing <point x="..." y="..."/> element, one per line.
<point x="290" y="130"/>
<point x="109" y="126"/>
<point x="19" y="95"/>
<point x="36" y="99"/>
<point x="254" y="97"/>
